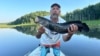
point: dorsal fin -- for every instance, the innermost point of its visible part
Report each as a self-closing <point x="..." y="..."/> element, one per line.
<point x="70" y="22"/>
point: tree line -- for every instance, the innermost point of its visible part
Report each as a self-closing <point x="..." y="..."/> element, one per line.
<point x="28" y="18"/>
<point x="92" y="12"/>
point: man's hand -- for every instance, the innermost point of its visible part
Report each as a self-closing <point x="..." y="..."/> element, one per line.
<point x="72" y="29"/>
<point x="41" y="30"/>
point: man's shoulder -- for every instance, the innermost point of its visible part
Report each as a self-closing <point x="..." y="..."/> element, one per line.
<point x="61" y="20"/>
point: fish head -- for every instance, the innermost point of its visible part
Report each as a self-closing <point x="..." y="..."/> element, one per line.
<point x="42" y="21"/>
<point x="36" y="20"/>
<point x="39" y="19"/>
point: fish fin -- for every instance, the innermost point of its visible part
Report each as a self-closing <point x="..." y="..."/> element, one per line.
<point x="74" y="22"/>
<point x="71" y="22"/>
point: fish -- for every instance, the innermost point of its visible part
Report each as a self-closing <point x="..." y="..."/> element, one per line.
<point x="61" y="27"/>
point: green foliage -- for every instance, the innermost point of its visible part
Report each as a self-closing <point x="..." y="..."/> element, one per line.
<point x="30" y="30"/>
<point x="92" y="12"/>
<point x="29" y="18"/>
<point x="93" y="23"/>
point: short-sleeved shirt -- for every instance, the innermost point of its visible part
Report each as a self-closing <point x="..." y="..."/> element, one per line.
<point x="50" y="37"/>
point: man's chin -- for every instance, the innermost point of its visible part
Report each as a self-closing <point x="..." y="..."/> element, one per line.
<point x="54" y="16"/>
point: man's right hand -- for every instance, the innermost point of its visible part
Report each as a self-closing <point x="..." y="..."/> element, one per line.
<point x="41" y="30"/>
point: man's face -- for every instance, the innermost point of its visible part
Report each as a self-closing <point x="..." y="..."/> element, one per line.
<point x="55" y="10"/>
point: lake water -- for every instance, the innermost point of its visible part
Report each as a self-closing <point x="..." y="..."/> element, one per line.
<point x="16" y="43"/>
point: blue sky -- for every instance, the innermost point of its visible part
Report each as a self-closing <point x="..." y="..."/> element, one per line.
<point x="12" y="9"/>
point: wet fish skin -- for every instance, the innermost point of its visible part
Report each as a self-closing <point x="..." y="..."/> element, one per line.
<point x="61" y="27"/>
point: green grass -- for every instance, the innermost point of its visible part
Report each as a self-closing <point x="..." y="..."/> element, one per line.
<point x="4" y="25"/>
<point x="93" y="23"/>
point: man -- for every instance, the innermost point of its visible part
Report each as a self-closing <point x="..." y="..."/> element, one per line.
<point x="52" y="39"/>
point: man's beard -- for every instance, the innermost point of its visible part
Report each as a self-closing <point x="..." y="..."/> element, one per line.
<point x="54" y="16"/>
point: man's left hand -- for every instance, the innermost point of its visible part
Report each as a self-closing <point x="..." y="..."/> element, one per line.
<point x="72" y="29"/>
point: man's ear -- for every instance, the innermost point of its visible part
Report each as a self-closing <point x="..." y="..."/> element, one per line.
<point x="59" y="12"/>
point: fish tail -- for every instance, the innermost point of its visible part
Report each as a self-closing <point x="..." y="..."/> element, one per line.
<point x="85" y="27"/>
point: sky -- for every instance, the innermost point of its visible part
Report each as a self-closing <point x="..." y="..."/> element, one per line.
<point x="10" y="10"/>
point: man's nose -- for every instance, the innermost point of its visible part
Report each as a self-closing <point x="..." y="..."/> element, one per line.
<point x="55" y="11"/>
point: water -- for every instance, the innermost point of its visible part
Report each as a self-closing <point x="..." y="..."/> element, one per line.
<point x="16" y="43"/>
<point x="81" y="45"/>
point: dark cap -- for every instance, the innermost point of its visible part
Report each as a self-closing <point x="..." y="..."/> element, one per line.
<point x="55" y="4"/>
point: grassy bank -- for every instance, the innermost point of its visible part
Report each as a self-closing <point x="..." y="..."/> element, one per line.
<point x="93" y="23"/>
<point x="4" y="25"/>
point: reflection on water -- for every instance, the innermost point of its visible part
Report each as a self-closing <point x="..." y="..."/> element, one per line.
<point x="93" y="33"/>
<point x="81" y="45"/>
<point x="15" y="43"/>
<point x="31" y="30"/>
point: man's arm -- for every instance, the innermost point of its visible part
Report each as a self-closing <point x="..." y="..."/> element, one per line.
<point x="41" y="30"/>
<point x="67" y="37"/>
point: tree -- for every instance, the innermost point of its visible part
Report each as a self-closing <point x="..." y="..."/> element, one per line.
<point x="26" y="18"/>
